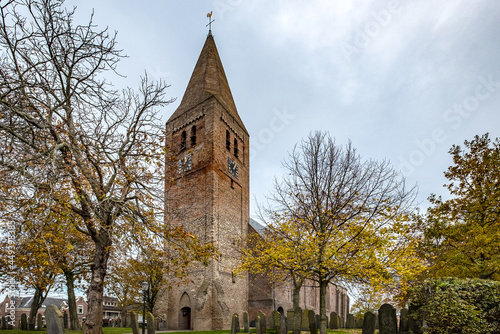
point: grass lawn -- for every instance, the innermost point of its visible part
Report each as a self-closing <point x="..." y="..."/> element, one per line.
<point x="120" y="330"/>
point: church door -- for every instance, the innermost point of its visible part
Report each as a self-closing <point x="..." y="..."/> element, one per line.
<point x="185" y="318"/>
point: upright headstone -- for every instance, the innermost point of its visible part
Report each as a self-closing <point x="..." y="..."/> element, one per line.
<point x="414" y="323"/>
<point x="150" y="323"/>
<point x="119" y="322"/>
<point x="312" y="322"/>
<point x="317" y="320"/>
<point x="369" y="323"/>
<point x="387" y="320"/>
<point x="334" y="321"/>
<point x="246" y="327"/>
<point x="39" y="322"/>
<point x="235" y="324"/>
<point x="296" y="321"/>
<point x="289" y="318"/>
<point x="65" y="319"/>
<point x="275" y="321"/>
<point x="133" y="323"/>
<point x="403" y="321"/>
<point x="350" y="321"/>
<point x="283" y="326"/>
<point x="263" y="326"/>
<point x="258" y="327"/>
<point x="4" y="323"/>
<point x="305" y="320"/>
<point x="24" y="322"/>
<point x="359" y="323"/>
<point x="54" y="320"/>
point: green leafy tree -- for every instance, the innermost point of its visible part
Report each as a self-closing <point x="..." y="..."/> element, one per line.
<point x="462" y="238"/>
<point x="350" y="216"/>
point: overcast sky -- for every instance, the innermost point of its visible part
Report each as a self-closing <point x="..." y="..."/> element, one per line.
<point x="403" y="80"/>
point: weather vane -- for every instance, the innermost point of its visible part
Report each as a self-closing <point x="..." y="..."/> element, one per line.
<point x="209" y="25"/>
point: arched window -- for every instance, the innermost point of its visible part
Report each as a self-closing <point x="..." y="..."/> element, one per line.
<point x="228" y="141"/>
<point x="193" y="136"/>
<point x="235" y="147"/>
<point x="183" y="140"/>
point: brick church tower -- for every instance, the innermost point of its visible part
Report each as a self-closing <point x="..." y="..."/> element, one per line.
<point x="207" y="192"/>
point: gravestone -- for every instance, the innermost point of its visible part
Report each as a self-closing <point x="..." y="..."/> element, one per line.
<point x="246" y="327"/>
<point x="334" y="321"/>
<point x="274" y="320"/>
<point x="414" y="323"/>
<point x="4" y="323"/>
<point x="119" y="322"/>
<point x="369" y="323"/>
<point x="133" y="323"/>
<point x="263" y="326"/>
<point x="283" y="326"/>
<point x="24" y="322"/>
<point x="305" y="320"/>
<point x="65" y="319"/>
<point x="296" y="322"/>
<point x="317" y="321"/>
<point x="150" y="323"/>
<point x="54" y="320"/>
<point x="387" y="320"/>
<point x="258" y="327"/>
<point x="235" y="324"/>
<point x="359" y="323"/>
<point x="39" y="322"/>
<point x="350" y="321"/>
<point x="403" y="322"/>
<point x="312" y="322"/>
<point x="289" y="318"/>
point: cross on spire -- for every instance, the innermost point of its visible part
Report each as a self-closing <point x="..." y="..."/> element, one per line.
<point x="209" y="25"/>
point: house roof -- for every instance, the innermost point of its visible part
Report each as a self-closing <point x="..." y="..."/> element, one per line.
<point x="208" y="79"/>
<point x="258" y="227"/>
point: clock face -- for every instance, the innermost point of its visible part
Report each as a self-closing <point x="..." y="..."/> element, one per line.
<point x="185" y="164"/>
<point x="232" y="167"/>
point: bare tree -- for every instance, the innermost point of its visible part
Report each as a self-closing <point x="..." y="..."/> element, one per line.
<point x="68" y="137"/>
<point x="350" y="215"/>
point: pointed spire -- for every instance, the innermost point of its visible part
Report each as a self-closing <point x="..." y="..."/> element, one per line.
<point x="208" y="79"/>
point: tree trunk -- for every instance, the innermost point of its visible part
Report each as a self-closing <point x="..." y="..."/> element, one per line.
<point x="296" y="326"/>
<point x="322" y="305"/>
<point x="70" y="286"/>
<point x="297" y="285"/>
<point x="93" y="322"/>
<point x="37" y="302"/>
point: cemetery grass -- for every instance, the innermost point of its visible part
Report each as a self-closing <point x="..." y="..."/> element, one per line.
<point x="105" y="330"/>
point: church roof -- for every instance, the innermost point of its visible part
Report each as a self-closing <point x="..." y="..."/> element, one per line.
<point x="208" y="79"/>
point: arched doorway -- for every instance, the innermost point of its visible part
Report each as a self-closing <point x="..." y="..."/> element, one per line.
<point x="281" y="310"/>
<point x="185" y="318"/>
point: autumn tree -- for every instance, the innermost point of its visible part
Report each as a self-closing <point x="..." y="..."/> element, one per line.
<point x="71" y="138"/>
<point x="351" y="215"/>
<point x="463" y="234"/>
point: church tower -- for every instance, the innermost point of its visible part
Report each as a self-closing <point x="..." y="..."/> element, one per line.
<point x="207" y="192"/>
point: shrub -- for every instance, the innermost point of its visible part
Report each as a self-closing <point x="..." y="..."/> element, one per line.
<point x="452" y="305"/>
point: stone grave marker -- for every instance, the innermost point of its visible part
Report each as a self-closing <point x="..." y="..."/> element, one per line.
<point x="312" y="322"/>
<point x="403" y="322"/>
<point x="296" y="322"/>
<point x="246" y="327"/>
<point x="283" y="326"/>
<point x="39" y="322"/>
<point x="369" y="323"/>
<point x="133" y="323"/>
<point x="258" y="327"/>
<point x="263" y="326"/>
<point x="24" y="322"/>
<point x="305" y="320"/>
<point x="387" y="320"/>
<point x="54" y="320"/>
<point x="350" y="321"/>
<point x="334" y="321"/>
<point x="150" y="323"/>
